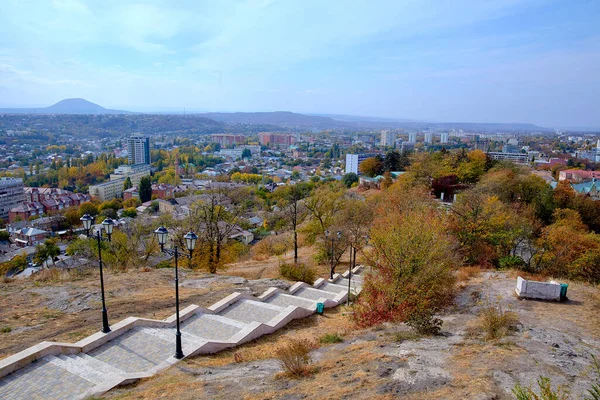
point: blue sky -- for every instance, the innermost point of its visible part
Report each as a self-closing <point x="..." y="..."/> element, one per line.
<point x="481" y="60"/>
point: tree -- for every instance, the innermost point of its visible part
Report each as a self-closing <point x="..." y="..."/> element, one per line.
<point x="4" y="236"/>
<point x="349" y="179"/>
<point x="130" y="212"/>
<point x="371" y="167"/>
<point x="88" y="208"/>
<point x="214" y="219"/>
<point x="293" y="210"/>
<point x="47" y="250"/>
<point x="145" y="189"/>
<point x="246" y="153"/>
<point x="413" y="258"/>
<point x="127" y="184"/>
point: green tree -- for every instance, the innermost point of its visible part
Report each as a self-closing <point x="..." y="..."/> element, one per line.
<point x="145" y="189"/>
<point x="349" y="179"/>
<point x="88" y="208"/>
<point x="127" y="184"/>
<point x="246" y="153"/>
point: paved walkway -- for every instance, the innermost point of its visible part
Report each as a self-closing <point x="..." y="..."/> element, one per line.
<point x="144" y="349"/>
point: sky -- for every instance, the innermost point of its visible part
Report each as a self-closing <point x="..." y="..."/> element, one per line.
<point x="535" y="61"/>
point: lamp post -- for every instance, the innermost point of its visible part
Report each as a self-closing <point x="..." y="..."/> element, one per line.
<point x="108" y="225"/>
<point x="190" y="242"/>
<point x="353" y="251"/>
<point x="339" y="236"/>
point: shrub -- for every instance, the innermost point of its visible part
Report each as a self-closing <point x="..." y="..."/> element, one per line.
<point x="164" y="264"/>
<point x="423" y="321"/>
<point x="331" y="338"/>
<point x="295" y="356"/>
<point x="273" y="245"/>
<point x="546" y="392"/>
<point x="495" y="321"/>
<point x="297" y="272"/>
<point x="413" y="257"/>
<point x="511" y="262"/>
<point x="594" y="391"/>
<point x="6" y="329"/>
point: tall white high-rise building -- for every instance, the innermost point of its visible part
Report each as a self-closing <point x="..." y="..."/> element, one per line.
<point x="412" y="137"/>
<point x="138" y="149"/>
<point x="387" y="138"/>
<point x="444" y="137"/>
<point x="428" y="137"/>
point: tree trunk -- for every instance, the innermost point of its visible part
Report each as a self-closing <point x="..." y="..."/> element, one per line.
<point x="295" y="247"/>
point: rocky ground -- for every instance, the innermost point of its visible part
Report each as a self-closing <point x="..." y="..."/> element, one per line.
<point x="552" y="339"/>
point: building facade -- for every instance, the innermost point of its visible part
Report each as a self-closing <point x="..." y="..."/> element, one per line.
<point x="353" y="161"/>
<point x="138" y="148"/>
<point x="387" y="138"/>
<point x="227" y="140"/>
<point x="12" y="194"/>
<point x="276" y="139"/>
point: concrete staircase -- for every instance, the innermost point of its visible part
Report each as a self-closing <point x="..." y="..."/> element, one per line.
<point x="138" y="348"/>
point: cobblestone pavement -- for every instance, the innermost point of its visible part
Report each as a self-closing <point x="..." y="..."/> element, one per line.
<point x="143" y="348"/>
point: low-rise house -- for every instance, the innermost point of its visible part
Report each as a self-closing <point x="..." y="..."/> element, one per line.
<point x="578" y="175"/>
<point x="163" y="190"/>
<point x="30" y="236"/>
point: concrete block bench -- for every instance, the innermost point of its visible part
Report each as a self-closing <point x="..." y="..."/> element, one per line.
<point x="552" y="291"/>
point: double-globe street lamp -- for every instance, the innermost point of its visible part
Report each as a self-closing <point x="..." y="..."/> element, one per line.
<point x="190" y="242"/>
<point x="108" y="225"/>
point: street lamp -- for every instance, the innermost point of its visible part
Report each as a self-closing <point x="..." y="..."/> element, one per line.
<point x="190" y="242"/>
<point x="339" y="236"/>
<point x="353" y="250"/>
<point x="108" y="225"/>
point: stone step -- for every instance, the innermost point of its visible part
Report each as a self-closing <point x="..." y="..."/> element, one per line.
<point x="285" y="300"/>
<point x="101" y="366"/>
<point x="314" y="294"/>
<point x="138" y="350"/>
<point x="333" y="287"/>
<point x="78" y="366"/>
<point x="212" y="327"/>
<point x="43" y="379"/>
<point x="247" y="311"/>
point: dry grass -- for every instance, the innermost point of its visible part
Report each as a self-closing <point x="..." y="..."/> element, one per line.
<point x="495" y="322"/>
<point x="467" y="273"/>
<point x="294" y="357"/>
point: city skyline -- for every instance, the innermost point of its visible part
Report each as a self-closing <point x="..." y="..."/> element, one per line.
<point x="530" y="61"/>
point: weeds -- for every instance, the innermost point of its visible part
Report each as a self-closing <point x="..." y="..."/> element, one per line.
<point x="594" y="391"/>
<point x="295" y="356"/>
<point x="424" y="322"/>
<point x="6" y="329"/>
<point x="331" y="338"/>
<point x="545" y="391"/>
<point x="495" y="321"/>
<point x="402" y="336"/>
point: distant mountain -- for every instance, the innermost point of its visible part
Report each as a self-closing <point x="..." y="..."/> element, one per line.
<point x="66" y="106"/>
<point x="280" y="118"/>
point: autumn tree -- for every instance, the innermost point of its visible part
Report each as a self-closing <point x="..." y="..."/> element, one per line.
<point x="349" y="179"/>
<point x="568" y="249"/>
<point x="413" y="257"/>
<point x="293" y="208"/>
<point x="371" y="167"/>
<point x="214" y="219"/>
<point x="88" y="208"/>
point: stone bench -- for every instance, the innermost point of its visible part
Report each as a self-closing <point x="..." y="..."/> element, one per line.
<point x="538" y="290"/>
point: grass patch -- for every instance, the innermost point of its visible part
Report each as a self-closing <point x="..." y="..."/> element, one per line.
<point x="298" y="272"/>
<point x="6" y="329"/>
<point x="402" y="336"/>
<point x="331" y="338"/>
<point x="51" y="314"/>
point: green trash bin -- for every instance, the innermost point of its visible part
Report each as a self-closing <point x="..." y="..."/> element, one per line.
<point x="320" y="308"/>
<point x="563" y="291"/>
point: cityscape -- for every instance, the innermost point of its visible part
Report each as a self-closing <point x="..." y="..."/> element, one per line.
<point x="317" y="200"/>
